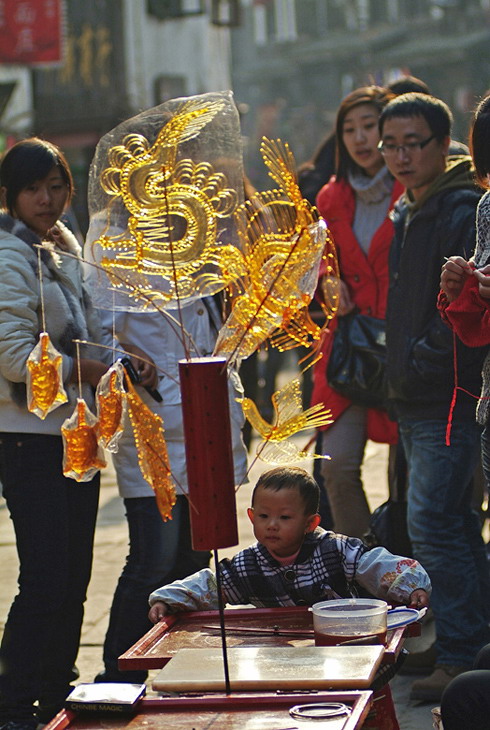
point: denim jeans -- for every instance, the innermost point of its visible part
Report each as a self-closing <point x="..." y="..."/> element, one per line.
<point x="159" y="553"/>
<point x="54" y="522"/>
<point x="445" y="534"/>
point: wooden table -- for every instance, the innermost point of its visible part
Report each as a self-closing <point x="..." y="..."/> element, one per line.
<point x="248" y="627"/>
<point x="220" y="712"/>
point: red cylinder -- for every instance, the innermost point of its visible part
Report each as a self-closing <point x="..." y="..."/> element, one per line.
<point x="209" y="454"/>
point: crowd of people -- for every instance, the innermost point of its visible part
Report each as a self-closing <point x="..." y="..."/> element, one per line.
<point x="405" y="206"/>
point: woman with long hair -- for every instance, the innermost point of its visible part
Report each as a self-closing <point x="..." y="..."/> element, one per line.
<point x="356" y="203"/>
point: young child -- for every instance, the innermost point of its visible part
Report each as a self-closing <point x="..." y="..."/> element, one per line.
<point x="294" y="561"/>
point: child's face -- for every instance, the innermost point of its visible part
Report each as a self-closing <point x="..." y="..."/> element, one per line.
<point x="279" y="520"/>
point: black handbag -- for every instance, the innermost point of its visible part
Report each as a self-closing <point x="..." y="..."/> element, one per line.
<point x="388" y="527"/>
<point x="356" y="366"/>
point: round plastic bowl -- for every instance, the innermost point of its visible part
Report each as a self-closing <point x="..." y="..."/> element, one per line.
<point x="350" y="620"/>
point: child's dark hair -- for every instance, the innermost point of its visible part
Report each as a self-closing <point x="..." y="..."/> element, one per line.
<point x="292" y="477"/>
<point x="435" y="112"/>
<point x="480" y="142"/>
<point x="28" y="161"/>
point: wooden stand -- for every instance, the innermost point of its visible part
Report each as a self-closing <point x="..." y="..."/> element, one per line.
<point x="217" y="712"/>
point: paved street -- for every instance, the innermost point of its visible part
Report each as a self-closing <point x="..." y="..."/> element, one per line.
<point x="110" y="549"/>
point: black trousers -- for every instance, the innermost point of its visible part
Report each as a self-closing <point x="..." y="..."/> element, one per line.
<point x="54" y="521"/>
<point x="159" y="553"/>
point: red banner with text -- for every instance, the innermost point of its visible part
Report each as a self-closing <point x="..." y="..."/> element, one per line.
<point x="31" y="32"/>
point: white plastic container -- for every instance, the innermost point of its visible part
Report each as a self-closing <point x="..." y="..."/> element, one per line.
<point x="350" y="620"/>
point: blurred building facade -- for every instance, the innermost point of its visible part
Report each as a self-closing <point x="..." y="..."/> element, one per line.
<point x="294" y="60"/>
<point x="120" y="57"/>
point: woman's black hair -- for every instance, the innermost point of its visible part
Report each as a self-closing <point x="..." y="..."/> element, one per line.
<point x="291" y="477"/>
<point x="480" y="142"/>
<point x="317" y="171"/>
<point x="375" y="95"/>
<point x="28" y="161"/>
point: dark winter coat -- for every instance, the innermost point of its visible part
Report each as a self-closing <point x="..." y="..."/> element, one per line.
<point x="420" y="367"/>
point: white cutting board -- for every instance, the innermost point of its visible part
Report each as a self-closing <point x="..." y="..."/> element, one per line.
<point x="271" y="668"/>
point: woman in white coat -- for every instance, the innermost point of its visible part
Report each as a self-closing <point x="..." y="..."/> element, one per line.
<point x="53" y="516"/>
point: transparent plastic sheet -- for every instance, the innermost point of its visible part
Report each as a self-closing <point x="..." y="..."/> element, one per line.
<point x="45" y="390"/>
<point x="82" y="456"/>
<point x="163" y="187"/>
<point x="112" y="407"/>
<point x="283" y="243"/>
<point x="274" y="295"/>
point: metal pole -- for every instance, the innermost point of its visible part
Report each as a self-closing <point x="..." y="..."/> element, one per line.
<point x="222" y="624"/>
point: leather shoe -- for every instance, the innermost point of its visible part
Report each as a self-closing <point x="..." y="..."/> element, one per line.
<point x="431" y="688"/>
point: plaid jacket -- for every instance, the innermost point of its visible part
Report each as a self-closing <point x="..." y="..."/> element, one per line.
<point x="324" y="568"/>
<point x="327" y="567"/>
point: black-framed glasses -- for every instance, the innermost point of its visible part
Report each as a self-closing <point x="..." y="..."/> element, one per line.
<point x="390" y="150"/>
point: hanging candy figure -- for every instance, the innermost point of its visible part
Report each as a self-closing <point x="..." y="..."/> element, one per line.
<point x="82" y="455"/>
<point x="152" y="451"/>
<point x="45" y="390"/>
<point x="111" y="407"/>
<point x="289" y="418"/>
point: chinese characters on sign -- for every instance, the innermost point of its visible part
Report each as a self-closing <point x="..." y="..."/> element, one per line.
<point x="31" y="31"/>
<point x="87" y="57"/>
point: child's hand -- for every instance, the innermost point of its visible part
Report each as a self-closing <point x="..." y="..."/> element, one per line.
<point x="158" y="611"/>
<point x="419" y="599"/>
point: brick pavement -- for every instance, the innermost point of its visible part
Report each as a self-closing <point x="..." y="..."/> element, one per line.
<point x="110" y="550"/>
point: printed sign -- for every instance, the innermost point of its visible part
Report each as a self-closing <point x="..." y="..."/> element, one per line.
<point x="31" y="32"/>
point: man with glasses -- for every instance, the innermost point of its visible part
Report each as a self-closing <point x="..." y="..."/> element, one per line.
<point x="434" y="219"/>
